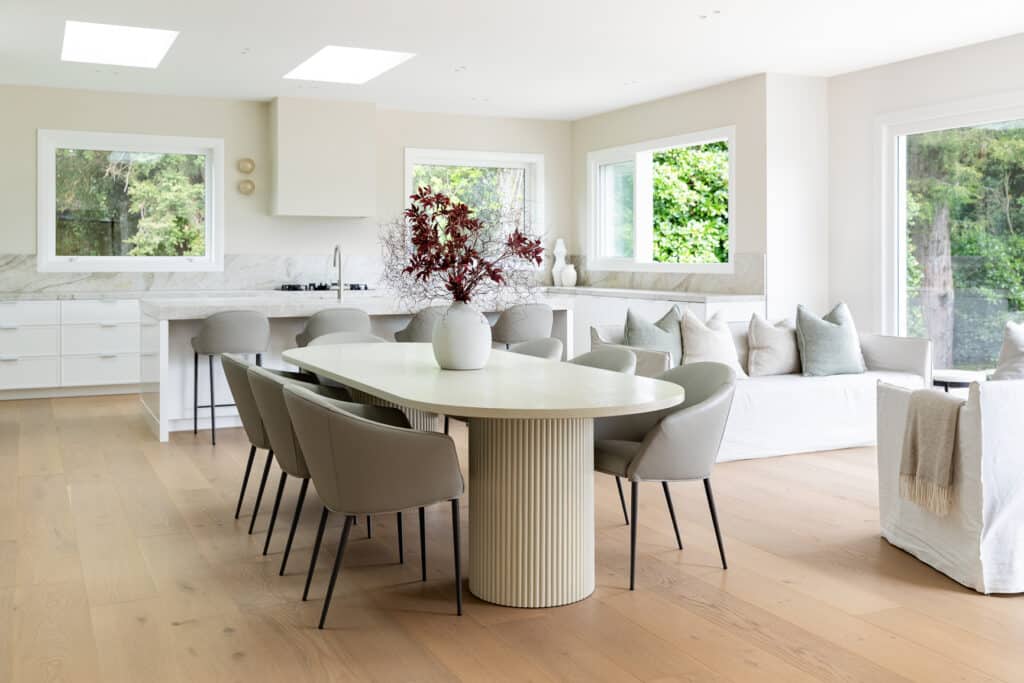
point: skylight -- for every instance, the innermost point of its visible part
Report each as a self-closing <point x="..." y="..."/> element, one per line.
<point x="352" y="65"/>
<point x="115" y="45"/>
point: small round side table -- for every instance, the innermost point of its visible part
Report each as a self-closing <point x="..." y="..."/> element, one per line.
<point x="949" y="378"/>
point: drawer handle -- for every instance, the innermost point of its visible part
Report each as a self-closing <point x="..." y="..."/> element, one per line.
<point x="108" y="355"/>
<point x="8" y="326"/>
<point x="108" y="324"/>
<point x="9" y="359"/>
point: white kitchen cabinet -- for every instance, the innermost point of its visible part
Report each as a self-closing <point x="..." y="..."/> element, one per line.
<point x="324" y="157"/>
<point x="99" y="369"/>
<point x="29" y="344"/>
<point x="28" y="372"/>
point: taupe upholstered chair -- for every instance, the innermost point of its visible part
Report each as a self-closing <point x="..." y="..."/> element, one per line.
<point x="225" y="332"/>
<point x="523" y="322"/>
<point x="361" y="466"/>
<point x="421" y="327"/>
<point x="236" y="368"/>
<point x="548" y="347"/>
<point x="675" y="444"/>
<point x="614" y="359"/>
<point x="268" y="393"/>
<point x="333" y="320"/>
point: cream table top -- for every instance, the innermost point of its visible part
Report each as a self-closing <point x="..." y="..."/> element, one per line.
<point x="510" y="386"/>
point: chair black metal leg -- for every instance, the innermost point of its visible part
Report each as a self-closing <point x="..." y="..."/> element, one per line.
<point x="672" y="513"/>
<point x="445" y="424"/>
<point x="401" y="540"/>
<point x="622" y="499"/>
<point x="316" y="553"/>
<point x="458" y="557"/>
<point x="245" y="480"/>
<point x="259" y="359"/>
<point x="714" y="521"/>
<point x="213" y="408"/>
<point x="423" y="544"/>
<point x="369" y="527"/>
<point x="195" y="393"/>
<point x="295" y="524"/>
<point x="273" y="513"/>
<point x="337" y="566"/>
<point x="259" y="491"/>
<point x="634" y="492"/>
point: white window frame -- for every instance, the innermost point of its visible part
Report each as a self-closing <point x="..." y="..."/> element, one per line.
<point x="532" y="164"/>
<point x="892" y="130"/>
<point x="49" y="141"/>
<point x="641" y="153"/>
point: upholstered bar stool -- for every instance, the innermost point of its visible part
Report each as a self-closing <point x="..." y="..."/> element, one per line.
<point x="523" y="322"/>
<point x="360" y="465"/>
<point x="333" y="320"/>
<point x="226" y="332"/>
<point x="421" y="326"/>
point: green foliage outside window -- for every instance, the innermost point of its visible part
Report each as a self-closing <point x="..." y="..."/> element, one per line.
<point x="496" y="195"/>
<point x="691" y="204"/>
<point x="130" y="204"/>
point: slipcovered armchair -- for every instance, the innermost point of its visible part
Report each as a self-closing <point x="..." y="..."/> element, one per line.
<point x="675" y="444"/>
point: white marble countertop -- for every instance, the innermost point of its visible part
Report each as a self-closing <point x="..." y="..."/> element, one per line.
<point x="657" y="294"/>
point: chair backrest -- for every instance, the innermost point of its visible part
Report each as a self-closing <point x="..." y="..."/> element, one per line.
<point x="608" y="358"/>
<point x="363" y="460"/>
<point x="523" y="322"/>
<point x="421" y="327"/>
<point x="345" y="338"/>
<point x="333" y="320"/>
<point x="236" y="370"/>
<point x="268" y="392"/>
<point x="685" y="442"/>
<point x="549" y="348"/>
<point x="233" y="332"/>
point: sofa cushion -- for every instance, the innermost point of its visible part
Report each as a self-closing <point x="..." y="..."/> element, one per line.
<point x="661" y="335"/>
<point x="773" y="348"/>
<point x="828" y="345"/>
<point x="709" y="342"/>
<point x="1011" y="356"/>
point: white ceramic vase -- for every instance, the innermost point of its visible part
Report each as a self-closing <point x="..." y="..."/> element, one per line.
<point x="462" y="338"/>
<point x="569" y="276"/>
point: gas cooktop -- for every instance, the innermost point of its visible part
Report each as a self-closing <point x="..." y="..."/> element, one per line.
<point x="323" y="287"/>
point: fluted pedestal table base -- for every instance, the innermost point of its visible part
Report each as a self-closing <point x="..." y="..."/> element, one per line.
<point x="531" y="510"/>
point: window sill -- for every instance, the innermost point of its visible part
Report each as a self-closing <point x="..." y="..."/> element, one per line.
<point x="622" y="265"/>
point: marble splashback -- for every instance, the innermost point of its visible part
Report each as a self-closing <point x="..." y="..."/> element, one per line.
<point x="747" y="278"/>
<point x="18" y="274"/>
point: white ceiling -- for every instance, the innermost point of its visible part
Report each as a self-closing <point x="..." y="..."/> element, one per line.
<point x="535" y="58"/>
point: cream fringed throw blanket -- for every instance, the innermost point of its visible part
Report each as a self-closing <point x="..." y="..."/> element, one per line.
<point x="926" y="468"/>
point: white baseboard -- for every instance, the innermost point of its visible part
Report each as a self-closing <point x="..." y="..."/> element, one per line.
<point x="68" y="392"/>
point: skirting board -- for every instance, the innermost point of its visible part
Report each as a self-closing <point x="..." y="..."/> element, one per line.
<point x="68" y="392"/>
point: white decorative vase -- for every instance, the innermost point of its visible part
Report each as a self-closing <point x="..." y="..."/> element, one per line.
<point x="569" y="276"/>
<point x="462" y="338"/>
<point x="559" y="266"/>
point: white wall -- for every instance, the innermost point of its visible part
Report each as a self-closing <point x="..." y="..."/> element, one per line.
<point x="856" y="102"/>
<point x="796" y="269"/>
<point x="244" y="126"/>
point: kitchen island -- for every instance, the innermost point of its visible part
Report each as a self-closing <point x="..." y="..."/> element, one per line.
<point x="168" y="325"/>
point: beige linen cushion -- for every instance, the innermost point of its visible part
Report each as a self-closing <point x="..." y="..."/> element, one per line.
<point x="773" y="348"/>
<point x="709" y="342"/>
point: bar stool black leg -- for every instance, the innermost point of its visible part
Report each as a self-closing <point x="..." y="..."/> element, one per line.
<point x="259" y="491"/>
<point x="337" y="566"/>
<point x="401" y="540"/>
<point x="259" y="359"/>
<point x="245" y="480"/>
<point x="213" y="408"/>
<point x="423" y="545"/>
<point x="369" y="527"/>
<point x="295" y="524"/>
<point x="195" y="393"/>
<point x="273" y="514"/>
<point x="316" y="552"/>
<point x="458" y="557"/>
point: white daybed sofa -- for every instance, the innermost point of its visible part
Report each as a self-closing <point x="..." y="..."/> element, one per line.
<point x="785" y="414"/>
<point x="980" y="543"/>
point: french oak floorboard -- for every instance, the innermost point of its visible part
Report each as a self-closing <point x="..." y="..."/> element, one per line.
<point x="120" y="560"/>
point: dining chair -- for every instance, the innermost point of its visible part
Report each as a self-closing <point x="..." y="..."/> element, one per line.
<point x="421" y="326"/>
<point x="333" y="320"/>
<point x="236" y="369"/>
<point x="362" y="465"/>
<point x="615" y="359"/>
<point x="548" y="347"/>
<point x="220" y="333"/>
<point x="523" y="322"/>
<point x="675" y="444"/>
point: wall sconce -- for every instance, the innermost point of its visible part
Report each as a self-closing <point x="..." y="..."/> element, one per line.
<point x="246" y="186"/>
<point x="246" y="165"/>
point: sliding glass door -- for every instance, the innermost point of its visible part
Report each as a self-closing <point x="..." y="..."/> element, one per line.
<point x="961" y="210"/>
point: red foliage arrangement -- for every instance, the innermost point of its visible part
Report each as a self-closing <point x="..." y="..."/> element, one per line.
<point x="451" y="245"/>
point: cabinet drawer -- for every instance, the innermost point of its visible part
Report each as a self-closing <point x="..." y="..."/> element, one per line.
<point x="29" y="312"/>
<point x="80" y="371"/>
<point x="29" y="340"/>
<point x="95" y="339"/>
<point x="100" y="311"/>
<point x="25" y="372"/>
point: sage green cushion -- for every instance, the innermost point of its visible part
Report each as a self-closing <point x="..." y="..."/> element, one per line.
<point x="662" y="335"/>
<point x="828" y="345"/>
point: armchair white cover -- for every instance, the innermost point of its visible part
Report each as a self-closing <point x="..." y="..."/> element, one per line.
<point x="980" y="543"/>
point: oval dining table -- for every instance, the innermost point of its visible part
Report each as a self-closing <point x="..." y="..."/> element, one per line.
<point x="531" y="453"/>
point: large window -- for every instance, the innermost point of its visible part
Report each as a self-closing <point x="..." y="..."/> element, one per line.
<point x="111" y="202"/>
<point x="961" y="216"/>
<point x="503" y="189"/>
<point x="663" y="205"/>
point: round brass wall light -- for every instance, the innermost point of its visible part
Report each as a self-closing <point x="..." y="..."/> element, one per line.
<point x="246" y="186"/>
<point x="246" y="165"/>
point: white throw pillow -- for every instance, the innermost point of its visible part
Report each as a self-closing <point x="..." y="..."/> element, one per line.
<point x="709" y="342"/>
<point x="1011" y="356"/>
<point x="773" y="348"/>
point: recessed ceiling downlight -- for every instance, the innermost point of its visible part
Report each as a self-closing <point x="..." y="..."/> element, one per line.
<point x="350" y="65"/>
<point x="115" y="45"/>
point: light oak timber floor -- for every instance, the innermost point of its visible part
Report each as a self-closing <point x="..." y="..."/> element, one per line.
<point x="120" y="561"/>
